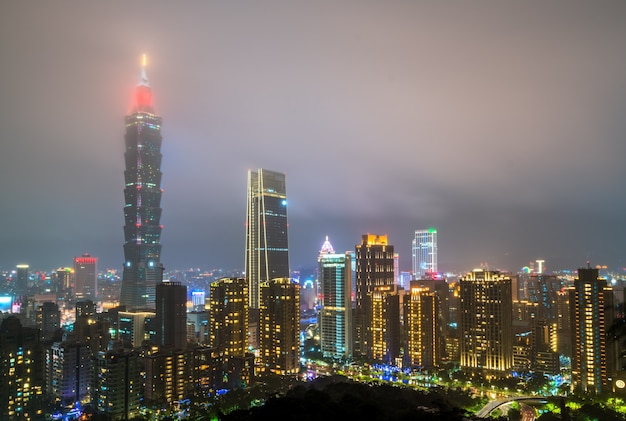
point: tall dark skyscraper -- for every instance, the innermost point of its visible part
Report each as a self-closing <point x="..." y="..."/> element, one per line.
<point x="267" y="253"/>
<point x="142" y="194"/>
<point x="171" y="315"/>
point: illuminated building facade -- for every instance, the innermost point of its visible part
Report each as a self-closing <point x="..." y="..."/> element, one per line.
<point x="21" y="372"/>
<point x="64" y="278"/>
<point x="267" y="251"/>
<point x="118" y="384"/>
<point x="335" y="313"/>
<point x="85" y="277"/>
<point x="142" y="209"/>
<point x="166" y="376"/>
<point x="563" y="322"/>
<point x="422" y="328"/>
<point x="21" y="285"/>
<point x="171" y="315"/>
<point x="543" y="288"/>
<point x="591" y="307"/>
<point x="424" y="253"/>
<point x="228" y="332"/>
<point x="485" y="322"/>
<point x="132" y="327"/>
<point x="279" y="323"/>
<point x="228" y="316"/>
<point x="69" y="373"/>
<point x="374" y="266"/>
<point x="383" y="329"/>
<point x="198" y="300"/>
<point x="48" y="320"/>
<point x="444" y="299"/>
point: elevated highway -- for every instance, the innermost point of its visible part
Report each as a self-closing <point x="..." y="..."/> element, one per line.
<point x="492" y="405"/>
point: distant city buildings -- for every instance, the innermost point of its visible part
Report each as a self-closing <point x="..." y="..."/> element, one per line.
<point x="142" y="194"/>
<point x="22" y="283"/>
<point x="85" y="277"/>
<point x="424" y="255"/>
<point x="143" y="344"/>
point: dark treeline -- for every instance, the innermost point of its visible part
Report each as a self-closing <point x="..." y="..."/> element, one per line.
<point x="341" y="399"/>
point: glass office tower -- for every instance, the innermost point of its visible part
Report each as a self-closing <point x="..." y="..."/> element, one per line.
<point x="267" y="254"/>
<point x="335" y="315"/>
<point x="142" y="209"/>
<point x="424" y="253"/>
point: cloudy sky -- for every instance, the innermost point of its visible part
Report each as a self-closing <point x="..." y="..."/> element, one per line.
<point x="501" y="124"/>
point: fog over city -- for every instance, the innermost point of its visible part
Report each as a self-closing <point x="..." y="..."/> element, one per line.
<point x="500" y="124"/>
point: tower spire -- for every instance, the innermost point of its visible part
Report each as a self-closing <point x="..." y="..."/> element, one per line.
<point x="143" y="92"/>
<point x="143" y="81"/>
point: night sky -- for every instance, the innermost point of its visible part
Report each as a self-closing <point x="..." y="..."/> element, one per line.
<point x="501" y="124"/>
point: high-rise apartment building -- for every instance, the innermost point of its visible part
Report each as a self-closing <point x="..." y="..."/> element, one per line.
<point x="142" y="194"/>
<point x="375" y="267"/>
<point x="166" y="377"/>
<point x="85" y="277"/>
<point x="21" y="372"/>
<point x="228" y="332"/>
<point x="69" y="371"/>
<point x="228" y="316"/>
<point x="422" y="328"/>
<point x="279" y="326"/>
<point x="424" y="253"/>
<point x="591" y="307"/>
<point x="267" y="246"/>
<point x="335" y="313"/>
<point x="118" y="384"/>
<point x="383" y="329"/>
<point x="485" y="322"/>
<point x="48" y="320"/>
<point x="171" y="315"/>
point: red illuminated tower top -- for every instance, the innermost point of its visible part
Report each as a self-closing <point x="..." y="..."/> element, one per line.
<point x="143" y="92"/>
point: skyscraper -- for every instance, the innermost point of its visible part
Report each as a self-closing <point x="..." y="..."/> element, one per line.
<point x="375" y="266"/>
<point x="142" y="193"/>
<point x="267" y="252"/>
<point x="591" y="307"/>
<point x="424" y="253"/>
<point x="422" y="328"/>
<point x="117" y="383"/>
<point x="335" y="315"/>
<point x="85" y="277"/>
<point x="68" y="371"/>
<point x="486" y="322"/>
<point x="171" y="315"/>
<point x="228" y="316"/>
<point x="21" y="371"/>
<point x="21" y="280"/>
<point x="382" y="321"/>
<point x="279" y="341"/>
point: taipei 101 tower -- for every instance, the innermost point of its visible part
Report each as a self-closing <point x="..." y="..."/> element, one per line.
<point x="142" y="195"/>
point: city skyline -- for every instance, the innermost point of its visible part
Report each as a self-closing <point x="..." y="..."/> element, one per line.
<point x="500" y="125"/>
